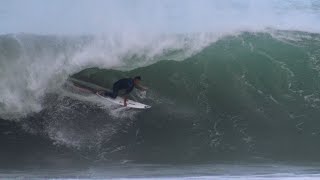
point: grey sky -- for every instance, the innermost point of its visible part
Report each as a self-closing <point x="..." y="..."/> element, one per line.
<point x="98" y="16"/>
<point x="84" y="16"/>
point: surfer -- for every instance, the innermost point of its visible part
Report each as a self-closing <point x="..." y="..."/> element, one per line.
<point x="125" y="84"/>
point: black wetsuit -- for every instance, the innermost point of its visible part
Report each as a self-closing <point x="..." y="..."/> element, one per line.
<point x="123" y="84"/>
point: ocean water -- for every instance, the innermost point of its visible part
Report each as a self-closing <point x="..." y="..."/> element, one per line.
<point x="237" y="97"/>
<point x="251" y="171"/>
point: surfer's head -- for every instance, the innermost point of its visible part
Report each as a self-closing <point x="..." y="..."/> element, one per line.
<point x="137" y="79"/>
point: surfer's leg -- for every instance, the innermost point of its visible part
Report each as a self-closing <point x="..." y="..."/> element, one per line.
<point x="115" y="91"/>
<point x="107" y="93"/>
<point x="125" y="100"/>
<point x="114" y="94"/>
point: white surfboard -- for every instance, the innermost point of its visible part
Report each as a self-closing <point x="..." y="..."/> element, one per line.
<point x="120" y="101"/>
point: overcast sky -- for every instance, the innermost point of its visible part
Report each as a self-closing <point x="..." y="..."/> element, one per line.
<point x="98" y="16"/>
<point x="85" y="16"/>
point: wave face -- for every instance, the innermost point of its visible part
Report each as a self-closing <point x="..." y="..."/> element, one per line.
<point x="252" y="94"/>
<point x="245" y="95"/>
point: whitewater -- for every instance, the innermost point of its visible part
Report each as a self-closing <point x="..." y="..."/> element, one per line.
<point x="234" y="88"/>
